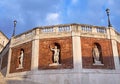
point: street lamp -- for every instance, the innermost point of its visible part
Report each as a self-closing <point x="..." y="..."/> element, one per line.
<point x="108" y="13"/>
<point x="15" y="22"/>
<point x="109" y="25"/>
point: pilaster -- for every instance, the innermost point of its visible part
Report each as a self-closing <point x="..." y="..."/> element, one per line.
<point x="35" y="52"/>
<point x="77" y="56"/>
<point x="115" y="54"/>
<point x="9" y="57"/>
<point x="114" y="47"/>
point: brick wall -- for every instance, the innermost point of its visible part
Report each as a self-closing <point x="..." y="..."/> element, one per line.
<point x="118" y="45"/>
<point x="107" y="55"/>
<point x="27" y="47"/>
<point x="45" y="54"/>
<point x="4" y="60"/>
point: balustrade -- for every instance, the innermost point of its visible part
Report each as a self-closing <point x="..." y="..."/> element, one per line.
<point x="47" y="30"/>
<point x="101" y="30"/>
<point x="64" y="29"/>
<point x="86" y="28"/>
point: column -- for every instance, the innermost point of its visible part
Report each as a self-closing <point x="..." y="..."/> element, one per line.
<point x="35" y="52"/>
<point x="9" y="60"/>
<point x="77" y="56"/>
<point x="114" y="48"/>
<point x="115" y="54"/>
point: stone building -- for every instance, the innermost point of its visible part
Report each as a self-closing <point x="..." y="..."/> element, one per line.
<point x="3" y="41"/>
<point x="63" y="54"/>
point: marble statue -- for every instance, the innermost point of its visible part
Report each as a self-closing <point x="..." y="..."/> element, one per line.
<point x="21" y="59"/>
<point x="96" y="55"/>
<point x="56" y="54"/>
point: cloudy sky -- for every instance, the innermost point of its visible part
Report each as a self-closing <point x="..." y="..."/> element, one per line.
<point x="34" y="13"/>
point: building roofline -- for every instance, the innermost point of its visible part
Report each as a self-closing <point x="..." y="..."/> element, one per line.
<point x="69" y="25"/>
<point x="58" y="26"/>
<point x="4" y="34"/>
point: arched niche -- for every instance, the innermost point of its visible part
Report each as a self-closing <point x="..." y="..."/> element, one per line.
<point x="21" y="59"/>
<point x="56" y="56"/>
<point x="97" y="54"/>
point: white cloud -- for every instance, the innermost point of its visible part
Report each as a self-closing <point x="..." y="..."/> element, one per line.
<point x="74" y="1"/>
<point x="53" y="18"/>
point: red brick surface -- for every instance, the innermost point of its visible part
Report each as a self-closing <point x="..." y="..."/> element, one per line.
<point x="107" y="55"/>
<point x="26" y="60"/>
<point x="45" y="54"/>
<point x="118" y="44"/>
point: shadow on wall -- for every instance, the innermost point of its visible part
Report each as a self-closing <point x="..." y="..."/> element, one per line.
<point x="4" y="59"/>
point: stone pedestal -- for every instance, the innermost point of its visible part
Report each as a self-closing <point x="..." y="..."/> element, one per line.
<point x="98" y="63"/>
<point x="54" y="64"/>
<point x="20" y="67"/>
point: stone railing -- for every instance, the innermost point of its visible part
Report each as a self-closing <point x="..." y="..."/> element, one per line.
<point x="64" y="29"/>
<point x="73" y="27"/>
<point x="101" y="30"/>
<point x="26" y="35"/>
<point x="92" y="29"/>
<point x="61" y="29"/>
<point x="52" y="29"/>
<point x="47" y="30"/>
<point x="85" y="28"/>
<point x="117" y="36"/>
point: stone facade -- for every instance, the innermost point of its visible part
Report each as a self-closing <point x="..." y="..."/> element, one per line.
<point x="76" y="65"/>
<point x="3" y="41"/>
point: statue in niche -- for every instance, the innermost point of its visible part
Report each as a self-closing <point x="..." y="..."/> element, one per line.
<point x="56" y="54"/>
<point x="20" y="58"/>
<point x="96" y="55"/>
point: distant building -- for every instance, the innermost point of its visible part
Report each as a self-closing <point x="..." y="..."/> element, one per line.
<point x="63" y="54"/>
<point x="3" y="40"/>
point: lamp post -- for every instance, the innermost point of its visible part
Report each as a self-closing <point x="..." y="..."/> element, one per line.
<point x="15" y="22"/>
<point x="109" y="25"/>
<point x="108" y="13"/>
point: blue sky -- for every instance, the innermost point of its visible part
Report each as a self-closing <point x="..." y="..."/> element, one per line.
<point x="34" y="13"/>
